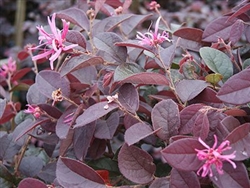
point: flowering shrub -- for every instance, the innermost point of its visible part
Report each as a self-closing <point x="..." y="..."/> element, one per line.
<point x="113" y="106"/>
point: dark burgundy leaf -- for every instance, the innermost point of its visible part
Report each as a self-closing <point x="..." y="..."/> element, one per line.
<point x="31" y="183"/>
<point x="94" y="112"/>
<point x="20" y="73"/>
<point x="75" y="16"/>
<point x="34" y="96"/>
<point x="136" y="169"/>
<point x="46" y="87"/>
<point x="105" y="129"/>
<point x="50" y="110"/>
<point x="82" y="139"/>
<point x="22" y="55"/>
<point x="75" y="37"/>
<point x="128" y="97"/>
<point x="73" y="173"/>
<point x="240" y="142"/>
<point x="105" y="42"/>
<point x="247" y="32"/>
<point x="240" y="11"/>
<point x="166" y="118"/>
<point x="8" y="114"/>
<point x="201" y="126"/>
<point x="231" y="178"/>
<point x="97" y="148"/>
<point x="79" y="62"/>
<point x="192" y="34"/>
<point x="236" y="31"/>
<point x="181" y="154"/>
<point x="208" y="95"/>
<point x="108" y="24"/>
<point x="183" y="179"/>
<point x="132" y="22"/>
<point x="219" y="28"/>
<point x="188" y="116"/>
<point x="160" y="183"/>
<point x="189" y="89"/>
<point x="128" y="121"/>
<point x="137" y="132"/>
<point x="66" y="142"/>
<point x="31" y="165"/>
<point x="236" y="89"/>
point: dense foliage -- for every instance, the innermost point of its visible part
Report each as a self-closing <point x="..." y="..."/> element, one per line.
<point x="114" y="104"/>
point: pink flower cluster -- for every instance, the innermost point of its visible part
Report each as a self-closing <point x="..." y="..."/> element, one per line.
<point x="213" y="156"/>
<point x="9" y="68"/>
<point x="35" y="110"/>
<point x="153" y="38"/>
<point x="54" y="42"/>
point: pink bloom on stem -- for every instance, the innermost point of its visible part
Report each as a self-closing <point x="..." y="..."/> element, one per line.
<point x="35" y="110"/>
<point x="154" y="5"/>
<point x="153" y="38"/>
<point x="54" y="41"/>
<point x="8" y="68"/>
<point x="213" y="156"/>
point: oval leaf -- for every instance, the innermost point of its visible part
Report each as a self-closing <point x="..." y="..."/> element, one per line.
<point x="217" y="61"/>
<point x="165" y="117"/>
<point x="181" y="154"/>
<point x="73" y="173"/>
<point x="137" y="169"/>
<point x="106" y="42"/>
<point x="31" y="183"/>
<point x="236" y="89"/>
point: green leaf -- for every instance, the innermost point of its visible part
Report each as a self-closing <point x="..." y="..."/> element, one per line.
<point x="125" y="70"/>
<point x="246" y="63"/>
<point x="217" y="61"/>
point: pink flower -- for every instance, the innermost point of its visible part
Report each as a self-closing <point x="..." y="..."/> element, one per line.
<point x="35" y="110"/>
<point x="153" y="38"/>
<point x="213" y="156"/>
<point x="54" y="41"/>
<point x="154" y="5"/>
<point x="9" y="68"/>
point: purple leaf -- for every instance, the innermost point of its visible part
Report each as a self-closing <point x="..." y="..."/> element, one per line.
<point x="189" y="89"/>
<point x="135" y="44"/>
<point x="166" y="118"/>
<point x="188" y="116"/>
<point x="136" y="169"/>
<point x="240" y="11"/>
<point x="108" y="24"/>
<point x="34" y="96"/>
<point x="201" y="126"/>
<point x="236" y="89"/>
<point x="240" y="142"/>
<point x="66" y="143"/>
<point x="79" y="62"/>
<point x="97" y="148"/>
<point x="167" y="55"/>
<point x="181" y="154"/>
<point x="31" y="165"/>
<point x="31" y="183"/>
<point x="208" y="95"/>
<point x="132" y="22"/>
<point x="86" y="75"/>
<point x="2" y="107"/>
<point x="219" y="28"/>
<point x="105" y="129"/>
<point x="75" y="16"/>
<point x="75" y="37"/>
<point x="73" y="173"/>
<point x="183" y="179"/>
<point x="236" y="31"/>
<point x="231" y="178"/>
<point x="247" y="32"/>
<point x="128" y="97"/>
<point x="230" y="123"/>
<point x="94" y="112"/>
<point x="46" y="86"/>
<point x="217" y="61"/>
<point x="48" y="173"/>
<point x="160" y="183"/>
<point x="82" y="139"/>
<point x="105" y="42"/>
<point x="8" y="148"/>
<point x="137" y="132"/>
